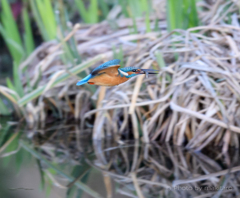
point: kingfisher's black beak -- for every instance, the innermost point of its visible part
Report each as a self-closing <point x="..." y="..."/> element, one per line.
<point x="149" y="71"/>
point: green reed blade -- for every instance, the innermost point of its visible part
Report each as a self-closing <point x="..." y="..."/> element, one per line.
<point x="135" y="29"/>
<point x="181" y="14"/>
<point x="47" y="16"/>
<point x="12" y="145"/>
<point x="67" y="55"/>
<point x="190" y="9"/>
<point x="145" y="10"/>
<point x="104" y="8"/>
<point x="20" y="159"/>
<point x="28" y="36"/>
<point x="39" y="21"/>
<point x="84" y="180"/>
<point x="4" y="132"/>
<point x="135" y="8"/>
<point x="11" y="24"/>
<point x="73" y="42"/>
<point x="89" y="15"/>
<point x="13" y="52"/>
<point x="82" y="10"/>
<point x="156" y="26"/>
<point x="41" y="174"/>
<point x="93" y="11"/>
<point x="124" y="6"/>
<point x="79" y="184"/>
<point x="3" y="109"/>
<point x="70" y="192"/>
<point x="49" y="189"/>
<point x="171" y="15"/>
<point x="10" y="32"/>
<point x="162" y="64"/>
<point x="50" y="19"/>
<point x="16" y="46"/>
<point x="10" y="84"/>
<point x="160" y="59"/>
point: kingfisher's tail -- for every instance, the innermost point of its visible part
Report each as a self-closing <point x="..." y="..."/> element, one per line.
<point x="84" y="80"/>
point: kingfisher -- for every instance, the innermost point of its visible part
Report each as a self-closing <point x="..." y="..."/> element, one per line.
<point x="109" y="74"/>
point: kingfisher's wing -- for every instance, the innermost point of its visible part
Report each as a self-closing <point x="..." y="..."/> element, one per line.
<point x="107" y="67"/>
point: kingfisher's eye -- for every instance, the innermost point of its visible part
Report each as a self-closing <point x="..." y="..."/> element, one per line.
<point x="134" y="70"/>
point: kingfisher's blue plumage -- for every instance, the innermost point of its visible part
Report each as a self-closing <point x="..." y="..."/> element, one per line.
<point x="109" y="74"/>
<point x="106" y="65"/>
<point x="84" y="80"/>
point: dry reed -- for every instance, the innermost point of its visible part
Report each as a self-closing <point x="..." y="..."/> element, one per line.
<point x="195" y="99"/>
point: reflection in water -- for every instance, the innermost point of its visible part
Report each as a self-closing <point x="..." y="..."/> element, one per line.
<point x="67" y="160"/>
<point x="152" y="170"/>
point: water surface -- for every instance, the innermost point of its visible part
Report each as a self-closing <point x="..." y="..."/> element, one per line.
<point x="62" y="161"/>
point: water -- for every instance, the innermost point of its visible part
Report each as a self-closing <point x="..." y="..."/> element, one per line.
<point x="62" y="161"/>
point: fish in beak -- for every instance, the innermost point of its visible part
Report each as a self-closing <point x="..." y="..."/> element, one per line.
<point x="123" y="73"/>
<point x="148" y="71"/>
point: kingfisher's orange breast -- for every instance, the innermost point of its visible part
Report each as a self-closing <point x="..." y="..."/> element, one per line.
<point x="111" y="78"/>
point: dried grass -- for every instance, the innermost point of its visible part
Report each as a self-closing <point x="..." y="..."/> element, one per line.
<point x="200" y="82"/>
